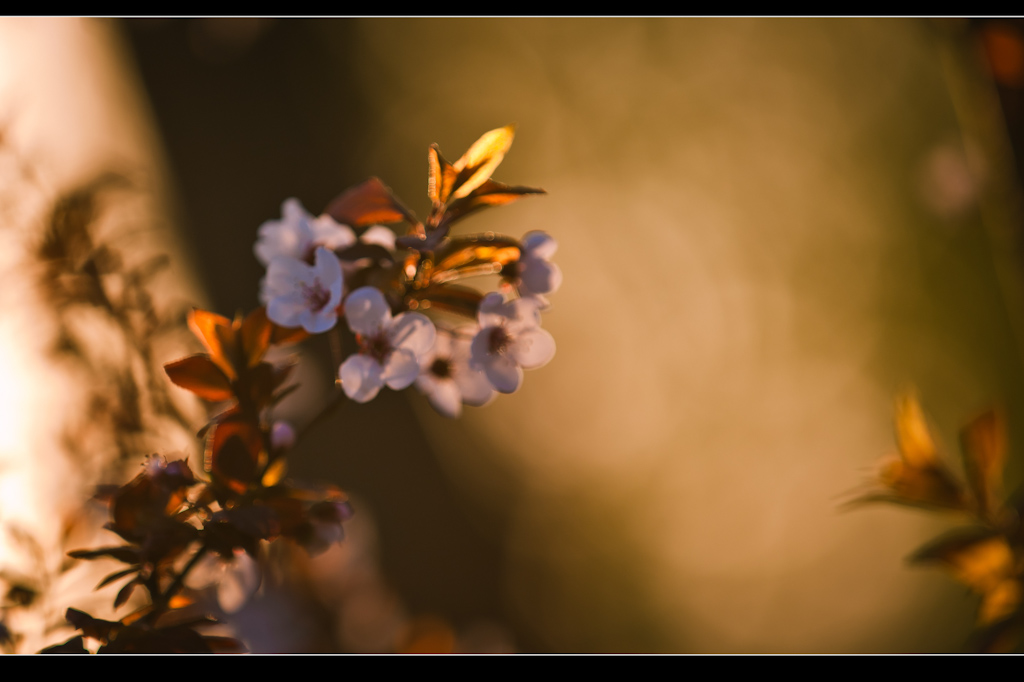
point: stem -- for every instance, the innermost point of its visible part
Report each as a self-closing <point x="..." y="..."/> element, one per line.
<point x="337" y="401"/>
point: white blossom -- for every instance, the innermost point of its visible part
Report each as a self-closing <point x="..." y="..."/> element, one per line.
<point x="536" y="275"/>
<point x="298" y="233"/>
<point x="302" y="295"/>
<point x="510" y="340"/>
<point x="446" y="377"/>
<point x="389" y="347"/>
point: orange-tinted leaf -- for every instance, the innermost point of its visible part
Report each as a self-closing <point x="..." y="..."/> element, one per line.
<point x="441" y="176"/>
<point x="204" y="324"/>
<point x="984" y="446"/>
<point x="978" y="557"/>
<point x="931" y="485"/>
<point x="480" y="160"/>
<point x="463" y="252"/>
<point x="490" y="193"/>
<point x="912" y="434"/>
<point x="999" y="602"/>
<point x="449" y="297"/>
<point x="199" y="374"/>
<point x="366" y="204"/>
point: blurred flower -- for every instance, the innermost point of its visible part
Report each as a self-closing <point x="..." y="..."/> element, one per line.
<point x="536" y="275"/>
<point x="298" y="233"/>
<point x="510" y="340"/>
<point x="390" y="348"/>
<point x="447" y="379"/>
<point x="302" y="295"/>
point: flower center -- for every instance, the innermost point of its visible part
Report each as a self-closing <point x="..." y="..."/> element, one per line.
<point x="316" y="296"/>
<point x="441" y="368"/>
<point x="498" y="340"/>
<point x="377" y="347"/>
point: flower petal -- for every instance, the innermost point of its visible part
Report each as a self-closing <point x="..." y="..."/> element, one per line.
<point x="326" y="231"/>
<point x="287" y="310"/>
<point x="473" y="384"/>
<point x="367" y="312"/>
<point x="361" y="378"/>
<point x="400" y="369"/>
<point x="288" y="237"/>
<point x="379" y="235"/>
<point x="327" y="271"/>
<point x="532" y="348"/>
<point x="493" y="310"/>
<point x="413" y="332"/>
<point x="539" y="244"/>
<point x="443" y="394"/>
<point x="503" y="373"/>
<point x="539" y="276"/>
<point x="318" y="322"/>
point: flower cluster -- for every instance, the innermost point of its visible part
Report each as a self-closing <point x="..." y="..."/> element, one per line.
<point x="180" y="531"/>
<point x="345" y="263"/>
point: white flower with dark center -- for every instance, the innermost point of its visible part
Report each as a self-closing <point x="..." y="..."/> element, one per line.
<point x="536" y="275"/>
<point x="447" y="378"/>
<point x="302" y="295"/>
<point x="390" y="348"/>
<point x="510" y="340"/>
<point x="297" y="234"/>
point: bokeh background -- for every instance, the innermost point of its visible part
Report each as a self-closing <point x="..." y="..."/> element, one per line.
<point x="767" y="228"/>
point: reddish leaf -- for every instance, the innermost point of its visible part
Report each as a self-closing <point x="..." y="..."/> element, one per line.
<point x="204" y="325"/>
<point x="233" y="453"/>
<point x="199" y="374"/>
<point x="490" y="193"/>
<point x="367" y="204"/>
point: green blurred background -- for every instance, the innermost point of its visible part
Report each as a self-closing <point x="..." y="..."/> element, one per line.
<point x="767" y="227"/>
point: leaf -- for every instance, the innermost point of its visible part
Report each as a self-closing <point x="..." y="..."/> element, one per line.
<point x="448" y="297"/>
<point x="255" y="334"/>
<point x="126" y="592"/>
<point x="915" y="441"/>
<point x="462" y="252"/>
<point x="367" y="204"/>
<point x="199" y="374"/>
<point x="480" y="160"/>
<point x="977" y="557"/>
<point x="92" y="627"/>
<point x="204" y="325"/>
<point x="930" y="485"/>
<point x="75" y="645"/>
<point x="117" y="576"/>
<point x="984" y="447"/>
<point x="233" y="453"/>
<point x="126" y="553"/>
<point x="440" y="177"/>
<point x="490" y="193"/>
